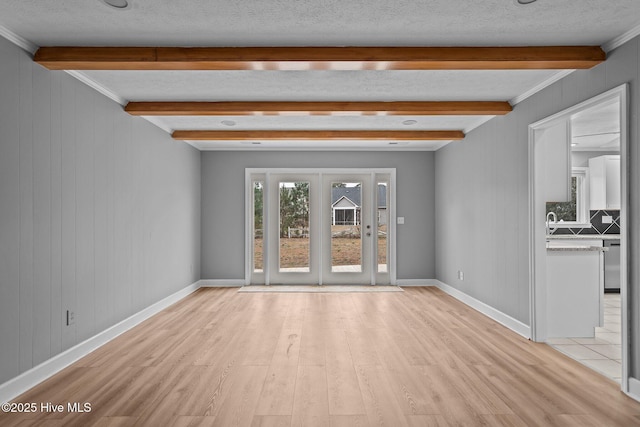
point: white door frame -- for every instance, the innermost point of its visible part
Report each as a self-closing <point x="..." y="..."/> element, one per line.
<point x="537" y="239"/>
<point x="267" y="172"/>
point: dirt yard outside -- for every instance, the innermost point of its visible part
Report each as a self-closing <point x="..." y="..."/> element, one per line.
<point x="294" y="252"/>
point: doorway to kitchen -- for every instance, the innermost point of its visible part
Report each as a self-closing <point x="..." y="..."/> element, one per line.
<point x="578" y="232"/>
<point x="320" y="226"/>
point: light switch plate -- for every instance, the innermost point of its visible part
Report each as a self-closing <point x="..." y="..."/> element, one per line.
<point x="606" y="219"/>
<point x="400" y="220"/>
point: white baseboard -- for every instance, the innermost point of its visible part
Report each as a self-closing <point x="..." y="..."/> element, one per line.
<point x="23" y="382"/>
<point x="504" y="319"/>
<point x="634" y="389"/>
<point x="416" y="282"/>
<point x="222" y="283"/>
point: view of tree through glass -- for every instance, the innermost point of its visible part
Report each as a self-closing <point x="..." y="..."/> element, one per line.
<point x="294" y="226"/>
<point x="258" y="196"/>
<point x="382" y="214"/>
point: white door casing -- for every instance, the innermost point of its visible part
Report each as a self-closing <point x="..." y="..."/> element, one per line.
<point x="320" y="269"/>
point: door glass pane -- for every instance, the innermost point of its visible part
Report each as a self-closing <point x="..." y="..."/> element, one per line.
<point x="258" y="216"/>
<point x="346" y="230"/>
<point x="382" y="214"/>
<point x="294" y="227"/>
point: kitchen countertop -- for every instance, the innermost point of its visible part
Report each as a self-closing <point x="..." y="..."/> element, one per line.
<point x="577" y="247"/>
<point x="583" y="236"/>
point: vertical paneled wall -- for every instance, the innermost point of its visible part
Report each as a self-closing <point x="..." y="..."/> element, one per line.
<point x="99" y="212"/>
<point x="223" y="204"/>
<point x="482" y="221"/>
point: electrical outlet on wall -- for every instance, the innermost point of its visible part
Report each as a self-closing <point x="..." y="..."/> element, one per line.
<point x="71" y="318"/>
<point x="460" y="275"/>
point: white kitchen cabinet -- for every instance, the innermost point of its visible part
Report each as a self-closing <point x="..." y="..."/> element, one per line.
<point x="555" y="142"/>
<point x="575" y="290"/>
<point x="604" y="183"/>
<point x="595" y="243"/>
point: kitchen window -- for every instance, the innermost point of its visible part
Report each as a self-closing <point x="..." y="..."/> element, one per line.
<point x="575" y="212"/>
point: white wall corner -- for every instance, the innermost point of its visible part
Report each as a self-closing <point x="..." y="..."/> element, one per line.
<point x="222" y="283"/>
<point x="504" y="319"/>
<point x="34" y="376"/>
<point x="416" y="282"/>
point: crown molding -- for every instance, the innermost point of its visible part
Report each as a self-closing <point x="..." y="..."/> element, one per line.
<point x="97" y="86"/>
<point x="540" y="86"/>
<point x="31" y="48"/>
<point x="21" y="42"/>
<point x="621" y="39"/>
<point x="158" y="122"/>
<point x="607" y="47"/>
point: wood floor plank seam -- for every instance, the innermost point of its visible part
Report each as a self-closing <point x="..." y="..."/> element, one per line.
<point x="410" y="358"/>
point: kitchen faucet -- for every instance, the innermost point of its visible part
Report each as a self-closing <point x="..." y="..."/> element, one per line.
<point x="555" y="220"/>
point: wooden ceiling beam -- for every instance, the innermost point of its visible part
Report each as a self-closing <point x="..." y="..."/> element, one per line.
<point x="319" y="58"/>
<point x="403" y="108"/>
<point x="275" y="135"/>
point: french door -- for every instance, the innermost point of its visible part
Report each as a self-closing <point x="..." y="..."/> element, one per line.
<point x="310" y="228"/>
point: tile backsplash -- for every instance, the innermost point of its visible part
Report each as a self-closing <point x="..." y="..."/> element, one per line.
<point x="597" y="227"/>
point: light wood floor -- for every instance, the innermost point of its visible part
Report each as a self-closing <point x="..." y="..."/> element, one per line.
<point x="413" y="358"/>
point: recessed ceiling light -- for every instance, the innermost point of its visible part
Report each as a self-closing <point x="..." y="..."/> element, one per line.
<point x="409" y="122"/>
<point x="525" y="1"/>
<point x="228" y="122"/>
<point x="116" y="4"/>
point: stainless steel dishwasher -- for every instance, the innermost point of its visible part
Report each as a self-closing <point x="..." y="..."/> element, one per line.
<point x="612" y="266"/>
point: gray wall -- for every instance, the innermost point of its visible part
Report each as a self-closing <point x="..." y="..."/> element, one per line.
<point x="99" y="212"/>
<point x="223" y="204"/>
<point x="482" y="193"/>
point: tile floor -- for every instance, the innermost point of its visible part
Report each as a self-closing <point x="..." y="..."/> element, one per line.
<point x="603" y="352"/>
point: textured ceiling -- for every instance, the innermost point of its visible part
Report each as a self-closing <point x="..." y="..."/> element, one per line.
<point x="453" y="85"/>
<point x="597" y="128"/>
<point x="320" y="23"/>
<point x="343" y="122"/>
<point x="327" y="22"/>
<point x="320" y="145"/>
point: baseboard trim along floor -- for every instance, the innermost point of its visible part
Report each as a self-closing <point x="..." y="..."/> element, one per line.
<point x="37" y="374"/>
<point x="48" y="368"/>
<point x="634" y="388"/>
<point x="222" y="283"/>
<point x="504" y="319"/>
<point x="323" y="288"/>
